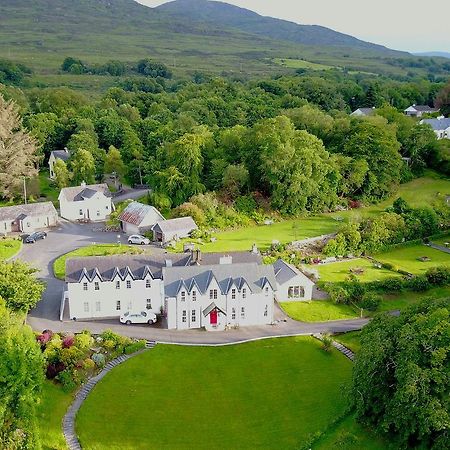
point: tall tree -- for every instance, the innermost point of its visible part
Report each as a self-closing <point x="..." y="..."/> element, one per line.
<point x="18" y="151"/>
<point x="114" y="163"/>
<point x="62" y="174"/>
<point x="443" y="100"/>
<point x="21" y="378"/>
<point x="83" y="167"/>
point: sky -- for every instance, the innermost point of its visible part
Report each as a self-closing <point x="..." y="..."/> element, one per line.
<point x="410" y="25"/>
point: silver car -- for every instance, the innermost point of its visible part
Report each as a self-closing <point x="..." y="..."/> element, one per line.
<point x="138" y="239"/>
<point x="140" y="317"/>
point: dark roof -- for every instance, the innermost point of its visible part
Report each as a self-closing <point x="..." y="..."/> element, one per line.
<point x="173" y="225"/>
<point x="79" y="193"/>
<point x="438" y="124"/>
<point x="136" y="212"/>
<point x="237" y="258"/>
<point x="61" y="154"/>
<point x="30" y="210"/>
<point x="424" y="108"/>
<point x="107" y="266"/>
<point x="226" y="275"/>
<point x="285" y="272"/>
<point x="366" y="111"/>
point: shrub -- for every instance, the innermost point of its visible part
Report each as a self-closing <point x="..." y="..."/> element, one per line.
<point x="67" y="380"/>
<point x="44" y="337"/>
<point x="99" y="359"/>
<point x="327" y="342"/>
<point x="370" y="301"/>
<point x="53" y="369"/>
<point x="245" y="204"/>
<point x="419" y="284"/>
<point x="88" y="364"/>
<point x="189" y="209"/>
<point x="83" y="341"/>
<point x="391" y="285"/>
<point x="438" y="276"/>
<point x="134" y="347"/>
<point x="68" y="342"/>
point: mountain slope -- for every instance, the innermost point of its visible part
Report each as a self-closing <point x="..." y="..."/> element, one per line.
<point x="250" y="22"/>
<point x="435" y="54"/>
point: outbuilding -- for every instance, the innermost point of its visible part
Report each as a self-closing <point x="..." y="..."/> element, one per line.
<point x="64" y="155"/>
<point x="138" y="218"/>
<point x="173" y="229"/>
<point x="27" y="218"/>
<point x="292" y="285"/>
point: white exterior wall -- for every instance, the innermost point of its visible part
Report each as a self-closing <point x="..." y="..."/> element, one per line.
<point x="29" y="224"/>
<point x="299" y="280"/>
<point x="134" y="299"/>
<point x="129" y="228"/>
<point x="97" y="208"/>
<point x="51" y="162"/>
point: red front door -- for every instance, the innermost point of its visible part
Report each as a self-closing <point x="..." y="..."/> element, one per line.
<point x="213" y="317"/>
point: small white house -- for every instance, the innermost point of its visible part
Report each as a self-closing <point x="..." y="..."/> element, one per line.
<point x="27" y="218"/>
<point x="173" y="229"/>
<point x="420" y="110"/>
<point x="55" y="155"/>
<point x="292" y="285"/>
<point x="441" y="126"/>
<point x="138" y="218"/>
<point x="363" y="112"/>
<point x="86" y="202"/>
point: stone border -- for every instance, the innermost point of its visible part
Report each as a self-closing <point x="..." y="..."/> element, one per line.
<point x="68" y="422"/>
<point x="338" y="346"/>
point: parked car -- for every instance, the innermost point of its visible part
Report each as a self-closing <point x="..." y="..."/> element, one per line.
<point x="138" y="239"/>
<point x="141" y="317"/>
<point x="36" y="236"/>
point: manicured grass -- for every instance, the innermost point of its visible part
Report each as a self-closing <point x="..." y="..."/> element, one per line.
<point x="9" y="247"/>
<point x="59" y="266"/>
<point x="351" y="340"/>
<point x="53" y="406"/>
<point x="261" y="395"/>
<point x="318" y="311"/>
<point x="348" y="434"/>
<point x="407" y="258"/>
<point x="263" y="235"/>
<point x="340" y="271"/>
<point x="404" y="299"/>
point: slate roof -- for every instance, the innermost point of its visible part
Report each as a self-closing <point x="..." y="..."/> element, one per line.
<point x="11" y="213"/>
<point x="61" y="154"/>
<point x="438" y="124"/>
<point x="285" y="272"/>
<point x="365" y="111"/>
<point x="226" y="275"/>
<point x="424" y="108"/>
<point x="173" y="225"/>
<point x="79" y="193"/>
<point x="107" y="266"/>
<point x="237" y="258"/>
<point x="136" y="212"/>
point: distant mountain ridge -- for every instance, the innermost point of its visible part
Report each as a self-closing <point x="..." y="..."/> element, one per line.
<point x="439" y="54"/>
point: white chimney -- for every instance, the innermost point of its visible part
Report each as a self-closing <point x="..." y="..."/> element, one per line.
<point x="83" y="184"/>
<point x="168" y="263"/>
<point x="226" y="260"/>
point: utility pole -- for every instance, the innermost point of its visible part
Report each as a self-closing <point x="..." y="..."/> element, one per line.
<point x="25" y="189"/>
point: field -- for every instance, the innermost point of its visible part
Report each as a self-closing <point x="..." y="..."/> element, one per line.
<point x="263" y="235"/>
<point x="318" y="311"/>
<point x="53" y="406"/>
<point x="404" y="299"/>
<point x="245" y="390"/>
<point x="301" y="64"/>
<point x="59" y="266"/>
<point x="340" y="271"/>
<point x="351" y="340"/>
<point x="407" y="258"/>
<point x="9" y="247"/>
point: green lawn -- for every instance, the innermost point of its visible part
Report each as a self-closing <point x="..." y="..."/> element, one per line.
<point x="340" y="271"/>
<point x="59" y="266"/>
<point x="442" y="240"/>
<point x="318" y="311"/>
<point x="53" y="406"/>
<point x="351" y="340"/>
<point x="9" y="247"/>
<point x="230" y="397"/>
<point x="404" y="299"/>
<point x="407" y="258"/>
<point x="263" y="235"/>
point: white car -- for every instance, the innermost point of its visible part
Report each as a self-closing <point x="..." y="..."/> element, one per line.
<point x="138" y="239"/>
<point x="141" y="317"/>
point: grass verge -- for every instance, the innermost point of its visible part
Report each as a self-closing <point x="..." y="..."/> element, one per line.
<point x="9" y="248"/>
<point x="318" y="311"/>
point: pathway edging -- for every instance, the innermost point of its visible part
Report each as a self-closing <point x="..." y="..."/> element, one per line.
<point x="338" y="346"/>
<point x="68" y="423"/>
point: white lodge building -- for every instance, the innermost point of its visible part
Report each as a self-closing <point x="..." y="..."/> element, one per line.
<point x="191" y="290"/>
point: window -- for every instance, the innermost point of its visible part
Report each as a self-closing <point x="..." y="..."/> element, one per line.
<point x="118" y="307"/>
<point x="244" y="293"/>
<point x="233" y="313"/>
<point x="85" y="286"/>
<point x="296" y="292"/>
<point x="148" y="284"/>
<point x="184" y="317"/>
<point x="81" y="212"/>
<point x="149" y="303"/>
<point x="183" y="296"/>
<point x="242" y="313"/>
<point x="266" y="310"/>
<point x="213" y="294"/>
<point x="96" y="286"/>
<point x="233" y="294"/>
<point x="98" y="213"/>
<point x="128" y="284"/>
<point x="193" y="316"/>
<point x="117" y="284"/>
<point x="266" y="291"/>
<point x="97" y="306"/>
<point x="86" y="307"/>
<point x="107" y="207"/>
<point x="194" y="296"/>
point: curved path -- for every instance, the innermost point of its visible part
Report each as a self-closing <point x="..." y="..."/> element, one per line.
<point x="70" y="236"/>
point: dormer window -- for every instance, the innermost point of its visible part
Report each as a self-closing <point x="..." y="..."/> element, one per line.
<point x="244" y="293"/>
<point x="128" y="284"/>
<point x="96" y="286"/>
<point x="183" y="296"/>
<point x="85" y="286"/>
<point x="194" y="296"/>
<point x="117" y="284"/>
<point x="148" y="284"/>
<point x="233" y="294"/>
<point x="213" y="294"/>
<point x="266" y="291"/>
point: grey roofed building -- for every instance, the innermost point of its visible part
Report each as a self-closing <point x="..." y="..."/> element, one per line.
<point x="106" y="266"/>
<point x="169" y="230"/>
<point x="61" y="154"/>
<point x="363" y="112"/>
<point x="136" y="212"/>
<point x="225" y="274"/>
<point x="79" y="193"/>
<point x="284" y="271"/>
<point x="199" y="258"/>
<point x="437" y="124"/>
<point x="424" y="108"/>
<point x="31" y="210"/>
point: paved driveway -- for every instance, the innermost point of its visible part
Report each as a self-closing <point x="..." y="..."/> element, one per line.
<point x="69" y="236"/>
